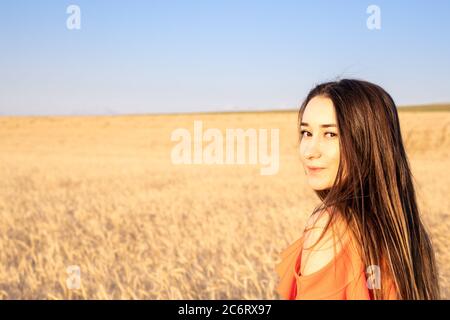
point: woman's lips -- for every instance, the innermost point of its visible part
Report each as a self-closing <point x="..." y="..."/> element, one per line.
<point x="314" y="170"/>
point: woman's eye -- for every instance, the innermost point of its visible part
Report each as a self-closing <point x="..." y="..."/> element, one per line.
<point x="303" y="132"/>
<point x="331" y="134"/>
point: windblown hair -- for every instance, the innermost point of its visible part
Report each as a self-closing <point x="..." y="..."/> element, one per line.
<point x="373" y="190"/>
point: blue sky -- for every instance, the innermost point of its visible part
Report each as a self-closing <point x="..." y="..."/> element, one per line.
<point x="187" y="56"/>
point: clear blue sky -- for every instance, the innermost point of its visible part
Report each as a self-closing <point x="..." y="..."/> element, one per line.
<point x="186" y="56"/>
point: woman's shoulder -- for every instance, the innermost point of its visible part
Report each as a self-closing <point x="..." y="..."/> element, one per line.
<point x="318" y="277"/>
<point x="324" y="239"/>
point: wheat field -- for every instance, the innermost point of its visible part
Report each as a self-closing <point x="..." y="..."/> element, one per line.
<point x="102" y="193"/>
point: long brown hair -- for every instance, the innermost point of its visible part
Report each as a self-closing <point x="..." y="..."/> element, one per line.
<point x="373" y="190"/>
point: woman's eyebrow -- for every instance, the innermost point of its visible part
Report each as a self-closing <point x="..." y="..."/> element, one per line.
<point x="322" y="125"/>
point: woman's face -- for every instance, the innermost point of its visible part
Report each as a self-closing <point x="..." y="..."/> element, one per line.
<point x="319" y="146"/>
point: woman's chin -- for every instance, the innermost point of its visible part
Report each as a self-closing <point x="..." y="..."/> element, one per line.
<point x="318" y="185"/>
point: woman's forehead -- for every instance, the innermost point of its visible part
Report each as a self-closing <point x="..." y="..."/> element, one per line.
<point x="318" y="111"/>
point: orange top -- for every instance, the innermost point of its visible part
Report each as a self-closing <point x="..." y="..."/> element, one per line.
<point x="343" y="278"/>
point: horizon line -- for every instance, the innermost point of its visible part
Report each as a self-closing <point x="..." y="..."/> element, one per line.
<point x="441" y="106"/>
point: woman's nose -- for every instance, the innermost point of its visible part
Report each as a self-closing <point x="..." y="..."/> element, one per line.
<point x="312" y="150"/>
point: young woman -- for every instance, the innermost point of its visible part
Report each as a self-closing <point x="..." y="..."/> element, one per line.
<point x="366" y="239"/>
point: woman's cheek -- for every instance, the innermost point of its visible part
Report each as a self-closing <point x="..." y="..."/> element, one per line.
<point x="335" y="157"/>
<point x="302" y="152"/>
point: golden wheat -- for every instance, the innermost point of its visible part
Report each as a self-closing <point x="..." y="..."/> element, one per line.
<point x="102" y="193"/>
